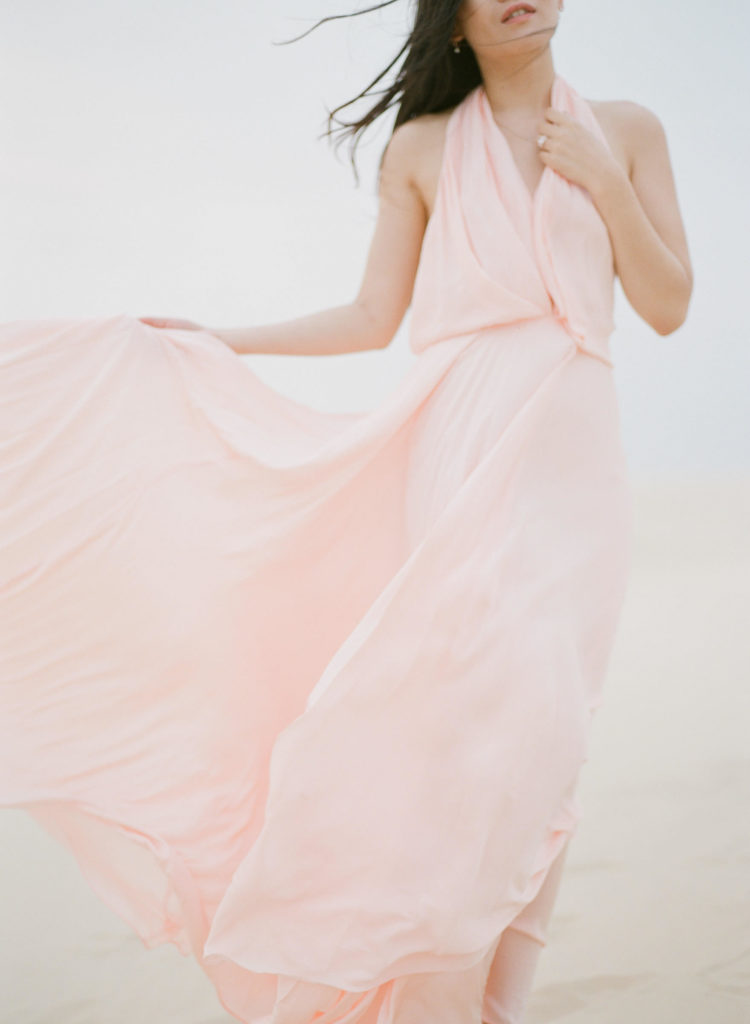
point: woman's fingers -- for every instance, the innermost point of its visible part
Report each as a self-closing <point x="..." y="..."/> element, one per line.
<point x="550" y="128"/>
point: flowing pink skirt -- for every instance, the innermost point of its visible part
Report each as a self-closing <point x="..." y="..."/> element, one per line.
<point x="307" y="694"/>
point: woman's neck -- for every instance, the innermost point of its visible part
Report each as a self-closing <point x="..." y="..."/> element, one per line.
<point x="520" y="87"/>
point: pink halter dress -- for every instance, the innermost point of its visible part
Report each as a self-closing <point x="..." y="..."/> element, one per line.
<point x="307" y="694"/>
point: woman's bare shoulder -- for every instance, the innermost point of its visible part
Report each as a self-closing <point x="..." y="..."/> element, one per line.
<point x="417" y="148"/>
<point x="627" y="125"/>
<point x="420" y="135"/>
<point x="424" y="124"/>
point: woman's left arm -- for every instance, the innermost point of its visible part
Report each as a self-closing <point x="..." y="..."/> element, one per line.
<point x="639" y="207"/>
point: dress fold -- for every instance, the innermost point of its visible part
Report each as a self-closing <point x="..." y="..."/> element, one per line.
<point x="308" y="694"/>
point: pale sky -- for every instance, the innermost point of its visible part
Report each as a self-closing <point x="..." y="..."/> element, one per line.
<point x="161" y="157"/>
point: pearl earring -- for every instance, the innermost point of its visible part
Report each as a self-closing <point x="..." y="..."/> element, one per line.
<point x="457" y="47"/>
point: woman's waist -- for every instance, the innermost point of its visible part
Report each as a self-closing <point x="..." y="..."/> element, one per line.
<point x="590" y="340"/>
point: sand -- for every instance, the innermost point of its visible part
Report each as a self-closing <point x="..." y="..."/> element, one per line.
<point x="652" y="920"/>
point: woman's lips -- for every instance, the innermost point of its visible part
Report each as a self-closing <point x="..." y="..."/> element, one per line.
<point x="524" y="16"/>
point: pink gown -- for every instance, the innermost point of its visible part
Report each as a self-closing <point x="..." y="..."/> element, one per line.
<point x="307" y="694"/>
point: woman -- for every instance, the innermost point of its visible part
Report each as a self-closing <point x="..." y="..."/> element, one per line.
<point x="308" y="694"/>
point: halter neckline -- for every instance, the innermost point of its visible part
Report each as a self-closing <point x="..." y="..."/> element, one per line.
<point x="497" y="130"/>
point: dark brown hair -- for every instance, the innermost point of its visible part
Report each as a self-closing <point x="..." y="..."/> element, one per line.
<point x="431" y="77"/>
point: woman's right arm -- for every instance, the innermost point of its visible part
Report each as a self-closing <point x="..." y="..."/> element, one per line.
<point x="371" y="320"/>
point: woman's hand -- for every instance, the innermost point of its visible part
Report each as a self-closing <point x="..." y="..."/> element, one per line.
<point x="576" y="153"/>
<point x="638" y="206"/>
<point x="163" y="321"/>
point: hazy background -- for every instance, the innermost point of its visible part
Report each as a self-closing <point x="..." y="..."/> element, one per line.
<point x="161" y="157"/>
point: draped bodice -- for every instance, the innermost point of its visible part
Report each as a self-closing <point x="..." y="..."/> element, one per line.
<point x="493" y="254"/>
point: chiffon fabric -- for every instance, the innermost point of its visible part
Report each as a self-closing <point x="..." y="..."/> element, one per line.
<point x="307" y="694"/>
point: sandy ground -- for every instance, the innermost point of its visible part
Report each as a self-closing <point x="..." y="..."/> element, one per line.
<point x="652" y="920"/>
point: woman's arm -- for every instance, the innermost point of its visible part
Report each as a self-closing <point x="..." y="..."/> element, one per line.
<point x="332" y="331"/>
<point x="642" y="215"/>
<point x="372" y="318"/>
<point x="638" y="205"/>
